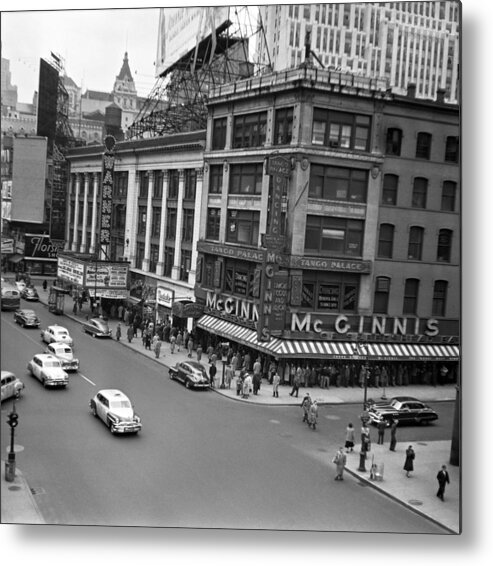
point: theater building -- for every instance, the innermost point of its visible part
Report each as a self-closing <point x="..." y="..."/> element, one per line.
<point x="330" y="229"/>
<point x="156" y="191"/>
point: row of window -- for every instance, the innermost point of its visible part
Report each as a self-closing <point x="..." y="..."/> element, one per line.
<point x="169" y="256"/>
<point x="337" y="292"/>
<point x="415" y="243"/>
<point x="190" y="184"/>
<point x="419" y="192"/>
<point x="330" y="128"/>
<point x="171" y="215"/>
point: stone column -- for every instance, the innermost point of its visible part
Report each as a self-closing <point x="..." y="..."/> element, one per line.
<point x="84" y="213"/>
<point x="175" y="272"/>
<point x="68" y="209"/>
<point x="75" y="238"/>
<point x="131" y="216"/>
<point x="162" y="229"/>
<point x="147" y="249"/>
<point x="92" y="247"/>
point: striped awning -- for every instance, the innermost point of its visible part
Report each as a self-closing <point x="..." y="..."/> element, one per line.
<point x="282" y="348"/>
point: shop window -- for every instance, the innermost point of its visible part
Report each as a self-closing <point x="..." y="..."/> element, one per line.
<point x="250" y="130"/>
<point x="338" y="183"/>
<point x="449" y="189"/>
<point x="190" y="184"/>
<point x="393" y="141"/>
<point x="341" y="129"/>
<point x="216" y="179"/>
<point x="415" y="247"/>
<point x="142" y="220"/>
<point x="156" y="220"/>
<point x="452" y="149"/>
<point x="381" y="298"/>
<point x="243" y="227"/>
<point x="439" y="298"/>
<point x="239" y="278"/>
<point x="420" y="190"/>
<point x="411" y="288"/>
<point x="173" y="183"/>
<point x="169" y="257"/>
<point x="171" y="224"/>
<point x="423" y="145"/>
<point x="444" y="245"/>
<point x="330" y="292"/>
<point x="143" y="184"/>
<point x="334" y="236"/>
<point x="219" y="133"/>
<point x="187" y="228"/>
<point x="213" y="223"/>
<point x="186" y="264"/>
<point x="246" y="178"/>
<point x="283" y="130"/>
<point x="386" y="241"/>
<point x="389" y="189"/>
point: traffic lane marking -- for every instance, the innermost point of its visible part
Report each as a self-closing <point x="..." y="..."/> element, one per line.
<point x="87" y="379"/>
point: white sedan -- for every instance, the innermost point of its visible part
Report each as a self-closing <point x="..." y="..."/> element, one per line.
<point x="48" y="369"/>
<point x="65" y="354"/>
<point x="56" y="333"/>
<point x="115" y="409"/>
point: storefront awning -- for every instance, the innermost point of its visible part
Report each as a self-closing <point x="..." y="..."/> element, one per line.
<point x="324" y="349"/>
<point x="237" y="333"/>
<point x="15" y="258"/>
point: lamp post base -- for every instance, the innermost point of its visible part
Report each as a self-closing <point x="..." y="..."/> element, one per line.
<point x="362" y="458"/>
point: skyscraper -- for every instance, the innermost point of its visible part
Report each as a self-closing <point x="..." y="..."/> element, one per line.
<point x="405" y="42"/>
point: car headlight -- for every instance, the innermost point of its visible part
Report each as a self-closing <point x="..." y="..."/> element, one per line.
<point x="114" y="417"/>
<point x="137" y="418"/>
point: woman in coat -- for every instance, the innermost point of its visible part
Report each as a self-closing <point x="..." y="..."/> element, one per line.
<point x="408" y="464"/>
<point x="349" y="438"/>
<point x="340" y="462"/>
<point x="313" y="415"/>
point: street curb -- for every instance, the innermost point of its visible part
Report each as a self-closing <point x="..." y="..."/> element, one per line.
<point x="396" y="499"/>
<point x="21" y="482"/>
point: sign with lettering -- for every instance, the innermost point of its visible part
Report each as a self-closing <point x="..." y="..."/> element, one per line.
<point x="39" y="246"/>
<point x="164" y="296"/>
<point x="277" y="318"/>
<point x="107" y="191"/>
<point x="106" y="275"/>
<point x="70" y="270"/>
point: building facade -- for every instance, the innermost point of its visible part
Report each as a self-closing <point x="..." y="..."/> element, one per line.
<point x="157" y="192"/>
<point x="347" y="253"/>
<point x="406" y="42"/>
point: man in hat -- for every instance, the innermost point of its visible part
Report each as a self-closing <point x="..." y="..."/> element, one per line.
<point x="305" y="405"/>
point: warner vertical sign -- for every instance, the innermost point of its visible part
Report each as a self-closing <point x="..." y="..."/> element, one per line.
<point x="107" y="194"/>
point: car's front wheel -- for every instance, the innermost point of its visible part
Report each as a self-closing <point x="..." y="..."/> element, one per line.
<point x="187" y="384"/>
<point x="93" y="410"/>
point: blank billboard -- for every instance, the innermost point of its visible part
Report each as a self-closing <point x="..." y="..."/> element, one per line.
<point x="29" y="179"/>
<point x="181" y="29"/>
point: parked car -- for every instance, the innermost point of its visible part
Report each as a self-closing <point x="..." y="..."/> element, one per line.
<point x="97" y="327"/>
<point x="56" y="333"/>
<point x="11" y="385"/>
<point x="192" y="374"/>
<point x="29" y="294"/>
<point x="65" y="354"/>
<point x="48" y="369"/>
<point x="27" y="317"/>
<point x="114" y="408"/>
<point x="407" y="410"/>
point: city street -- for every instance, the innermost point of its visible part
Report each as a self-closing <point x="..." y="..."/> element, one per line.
<point x="201" y="460"/>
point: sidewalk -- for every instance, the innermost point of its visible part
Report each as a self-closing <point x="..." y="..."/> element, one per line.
<point x="417" y="493"/>
<point x="17" y="502"/>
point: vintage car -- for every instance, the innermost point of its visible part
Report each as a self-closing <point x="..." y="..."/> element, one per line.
<point x="26" y="317"/>
<point x="97" y="327"/>
<point x="192" y="374"/>
<point x="29" y="294"/>
<point x="65" y="354"/>
<point x="407" y="410"/>
<point x="115" y="409"/>
<point x="48" y="369"/>
<point x="56" y="333"/>
<point x="11" y="385"/>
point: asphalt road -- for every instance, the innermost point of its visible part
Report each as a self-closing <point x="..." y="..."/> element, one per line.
<point x="201" y="460"/>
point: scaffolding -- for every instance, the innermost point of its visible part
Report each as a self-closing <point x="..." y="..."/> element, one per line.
<point x="178" y="100"/>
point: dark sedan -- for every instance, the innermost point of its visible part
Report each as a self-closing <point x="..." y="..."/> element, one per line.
<point x="29" y="294"/>
<point x="407" y="410"/>
<point x="26" y="317"/>
<point x="97" y="327"/>
<point x="192" y="374"/>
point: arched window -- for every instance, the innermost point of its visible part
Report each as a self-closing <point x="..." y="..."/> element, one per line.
<point x="381" y="298"/>
<point x="420" y="190"/>
<point x="415" y="247"/>
<point x="444" y="245"/>
<point x="386" y="241"/>
<point x="410" y="303"/>
<point x="439" y="304"/>
<point x="449" y="189"/>
<point x="389" y="189"/>
<point x="423" y="145"/>
<point x="393" y="141"/>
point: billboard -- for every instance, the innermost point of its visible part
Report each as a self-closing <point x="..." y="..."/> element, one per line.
<point x="181" y="29"/>
<point x="39" y="246"/>
<point x="29" y="179"/>
<point x="47" y="100"/>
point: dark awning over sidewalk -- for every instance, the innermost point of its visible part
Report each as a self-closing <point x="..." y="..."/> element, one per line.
<point x="321" y="349"/>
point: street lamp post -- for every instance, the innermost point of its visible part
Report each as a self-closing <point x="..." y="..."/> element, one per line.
<point x="359" y="347"/>
<point x="10" y="464"/>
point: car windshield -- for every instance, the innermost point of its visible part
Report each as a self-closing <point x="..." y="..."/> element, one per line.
<point x="120" y="405"/>
<point x="51" y="364"/>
